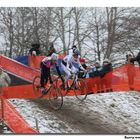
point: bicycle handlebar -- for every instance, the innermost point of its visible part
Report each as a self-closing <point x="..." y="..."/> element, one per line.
<point x="80" y="72"/>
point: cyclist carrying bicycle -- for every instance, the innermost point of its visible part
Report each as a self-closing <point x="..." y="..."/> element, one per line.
<point x="68" y="65"/>
<point x="46" y="64"/>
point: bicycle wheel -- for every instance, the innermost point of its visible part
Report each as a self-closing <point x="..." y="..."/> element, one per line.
<point x="36" y="86"/>
<point x="58" y="83"/>
<point x="55" y="98"/>
<point x="80" y="89"/>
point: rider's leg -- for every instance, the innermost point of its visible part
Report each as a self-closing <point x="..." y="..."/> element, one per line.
<point x="74" y="69"/>
<point x="42" y="81"/>
<point x="44" y="77"/>
<point x="67" y="73"/>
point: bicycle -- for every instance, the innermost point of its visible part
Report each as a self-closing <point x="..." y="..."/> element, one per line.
<point x="78" y="85"/>
<point x="53" y="93"/>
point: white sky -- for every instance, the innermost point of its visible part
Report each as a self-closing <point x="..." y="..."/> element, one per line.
<point x="69" y="3"/>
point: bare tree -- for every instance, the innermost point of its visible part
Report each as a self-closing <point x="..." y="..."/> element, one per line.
<point x="7" y="15"/>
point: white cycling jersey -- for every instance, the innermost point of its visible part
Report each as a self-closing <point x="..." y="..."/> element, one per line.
<point x="68" y="66"/>
<point x="69" y="61"/>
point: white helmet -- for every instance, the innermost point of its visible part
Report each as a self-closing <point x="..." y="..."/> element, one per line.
<point x="54" y="56"/>
<point x="106" y="60"/>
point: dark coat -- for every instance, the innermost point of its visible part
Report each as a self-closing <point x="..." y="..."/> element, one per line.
<point x="106" y="69"/>
<point x="95" y="72"/>
<point x="51" y="50"/>
<point x="137" y="58"/>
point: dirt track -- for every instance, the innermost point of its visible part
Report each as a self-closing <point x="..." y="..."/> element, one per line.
<point x="94" y="116"/>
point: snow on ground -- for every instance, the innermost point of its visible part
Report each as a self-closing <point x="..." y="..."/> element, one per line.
<point x="107" y="113"/>
<point x="4" y="129"/>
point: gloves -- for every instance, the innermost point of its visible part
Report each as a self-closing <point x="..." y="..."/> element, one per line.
<point x="85" y="71"/>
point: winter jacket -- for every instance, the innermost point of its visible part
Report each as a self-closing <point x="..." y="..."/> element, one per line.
<point x="137" y="58"/>
<point x="95" y="72"/>
<point x="106" y="69"/>
<point x="4" y="79"/>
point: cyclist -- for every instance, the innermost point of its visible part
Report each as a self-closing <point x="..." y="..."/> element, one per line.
<point x="68" y="65"/>
<point x="46" y="64"/>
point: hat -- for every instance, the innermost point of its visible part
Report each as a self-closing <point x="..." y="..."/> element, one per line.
<point x="106" y="60"/>
<point x="37" y="45"/>
<point x="82" y="60"/>
<point x="128" y="53"/>
<point x="97" y="62"/>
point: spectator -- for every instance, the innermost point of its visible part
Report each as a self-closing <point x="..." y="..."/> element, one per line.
<point x="96" y="70"/>
<point x="51" y="49"/>
<point x="130" y="58"/>
<point x="4" y="80"/>
<point x="130" y="70"/>
<point x="107" y="67"/>
<point x="35" y="50"/>
<point x="96" y="76"/>
<point x="83" y="63"/>
<point x="137" y="58"/>
<point x="106" y="75"/>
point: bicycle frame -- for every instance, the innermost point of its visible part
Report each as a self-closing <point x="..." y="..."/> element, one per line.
<point x="46" y="91"/>
<point x="75" y="79"/>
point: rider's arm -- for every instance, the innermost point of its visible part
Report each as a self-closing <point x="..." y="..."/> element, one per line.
<point x="80" y="66"/>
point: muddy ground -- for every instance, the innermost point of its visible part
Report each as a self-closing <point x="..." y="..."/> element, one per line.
<point x="108" y="113"/>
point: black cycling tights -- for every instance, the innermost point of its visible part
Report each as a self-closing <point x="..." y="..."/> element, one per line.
<point x="45" y="74"/>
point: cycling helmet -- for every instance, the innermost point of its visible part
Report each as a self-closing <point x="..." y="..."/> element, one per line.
<point x="76" y="52"/>
<point x="54" y="56"/>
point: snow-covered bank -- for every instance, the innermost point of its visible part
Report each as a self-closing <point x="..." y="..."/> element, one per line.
<point x="107" y="113"/>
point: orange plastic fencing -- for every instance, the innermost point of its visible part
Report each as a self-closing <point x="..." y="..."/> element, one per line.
<point x="15" y="121"/>
<point x="18" y="69"/>
<point x="34" y="61"/>
<point x="124" y="78"/>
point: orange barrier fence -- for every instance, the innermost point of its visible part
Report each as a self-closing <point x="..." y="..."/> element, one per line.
<point x="124" y="78"/>
<point x="14" y="120"/>
<point x="34" y="61"/>
<point x="17" y="68"/>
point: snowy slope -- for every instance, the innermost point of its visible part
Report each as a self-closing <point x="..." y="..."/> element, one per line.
<point x="107" y="113"/>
